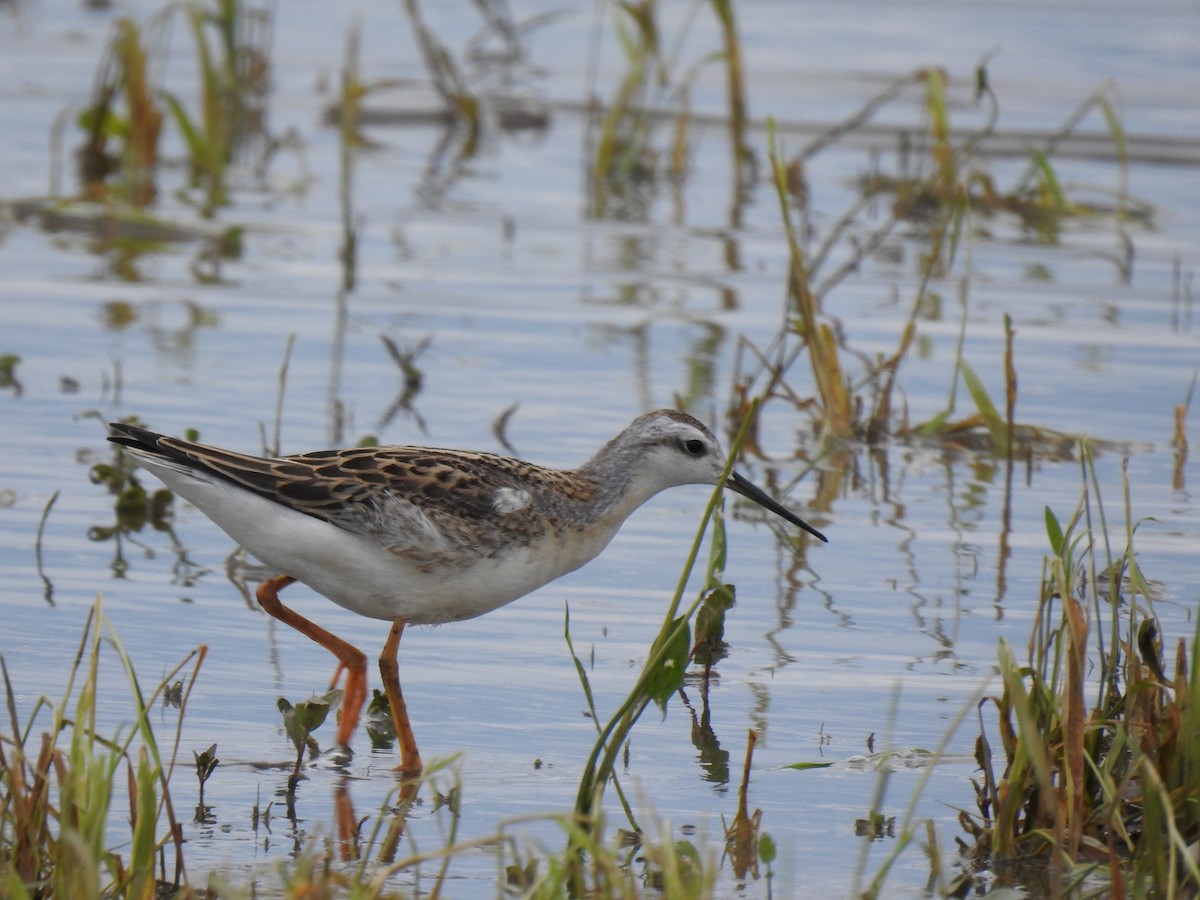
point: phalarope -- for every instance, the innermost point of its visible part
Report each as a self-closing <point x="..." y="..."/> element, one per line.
<point x="418" y="536"/>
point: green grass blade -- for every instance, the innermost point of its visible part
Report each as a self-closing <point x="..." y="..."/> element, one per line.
<point x="987" y="410"/>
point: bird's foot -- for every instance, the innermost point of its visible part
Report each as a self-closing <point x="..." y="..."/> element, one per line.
<point x="409" y="771"/>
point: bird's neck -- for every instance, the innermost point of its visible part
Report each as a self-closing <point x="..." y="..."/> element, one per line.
<point x="622" y="485"/>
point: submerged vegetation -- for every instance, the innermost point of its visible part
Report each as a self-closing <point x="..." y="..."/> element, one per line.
<point x="121" y="158"/>
<point x="1089" y="739"/>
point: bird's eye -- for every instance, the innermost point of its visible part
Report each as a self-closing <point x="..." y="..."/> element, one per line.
<point x="695" y="447"/>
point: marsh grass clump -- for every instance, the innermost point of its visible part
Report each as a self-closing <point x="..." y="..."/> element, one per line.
<point x="626" y="864"/>
<point x="627" y="158"/>
<point x="125" y="111"/>
<point x="624" y="157"/>
<point x="1089" y="751"/>
<point x="120" y="160"/>
<point x="942" y="193"/>
<point x="62" y="788"/>
<point x="1095" y="730"/>
<point x="947" y="170"/>
<point x="230" y="41"/>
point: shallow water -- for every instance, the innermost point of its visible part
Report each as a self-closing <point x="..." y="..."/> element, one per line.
<point x="584" y="324"/>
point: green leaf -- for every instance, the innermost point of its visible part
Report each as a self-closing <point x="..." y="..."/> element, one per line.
<point x="686" y="850"/>
<point x="802" y="766"/>
<point x="1054" y="532"/>
<point x="934" y="426"/>
<point x="103" y="121"/>
<point x="987" y="410"/>
<point x="196" y="143"/>
<point x="766" y="848"/>
<point x="1050" y="183"/>
<point x="307" y="716"/>
<point x="206" y="762"/>
<point x="141" y="851"/>
<point x="710" y="646"/>
<point x="672" y="657"/>
<point x="579" y="669"/>
<point x="8" y="369"/>
<point x="718" y="548"/>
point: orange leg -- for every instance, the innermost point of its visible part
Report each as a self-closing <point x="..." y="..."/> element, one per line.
<point x="389" y="671"/>
<point x="337" y="673"/>
<point x="347" y="824"/>
<point x="349" y="657"/>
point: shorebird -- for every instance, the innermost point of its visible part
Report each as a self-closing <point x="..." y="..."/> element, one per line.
<point x="419" y="536"/>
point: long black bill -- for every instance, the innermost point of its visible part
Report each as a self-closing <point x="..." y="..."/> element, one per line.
<point x="740" y="485"/>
